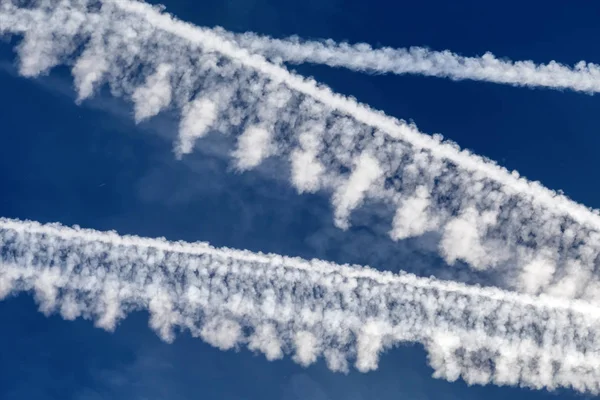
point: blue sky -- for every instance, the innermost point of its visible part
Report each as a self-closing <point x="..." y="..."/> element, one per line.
<point x="91" y="165"/>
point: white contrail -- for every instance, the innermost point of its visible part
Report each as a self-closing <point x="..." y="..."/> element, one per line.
<point x="309" y="309"/>
<point x="582" y="77"/>
<point x="488" y="217"/>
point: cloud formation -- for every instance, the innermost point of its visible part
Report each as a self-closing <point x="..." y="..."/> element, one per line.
<point x="582" y="77"/>
<point x="280" y="306"/>
<point x="487" y="216"/>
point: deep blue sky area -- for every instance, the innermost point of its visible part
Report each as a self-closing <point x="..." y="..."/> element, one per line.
<point x="91" y="165"/>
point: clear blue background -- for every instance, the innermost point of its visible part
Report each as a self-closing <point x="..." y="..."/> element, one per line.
<point x="92" y="166"/>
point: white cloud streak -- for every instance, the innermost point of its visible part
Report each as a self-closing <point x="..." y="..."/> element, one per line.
<point x="307" y="309"/>
<point x="487" y="216"/>
<point x="582" y="77"/>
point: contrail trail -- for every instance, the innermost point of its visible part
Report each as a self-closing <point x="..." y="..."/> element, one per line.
<point x="538" y="240"/>
<point x="582" y="77"/>
<point x="308" y="309"/>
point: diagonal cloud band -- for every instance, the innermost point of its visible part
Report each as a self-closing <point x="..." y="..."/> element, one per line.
<point x="582" y="77"/>
<point x="308" y="309"/>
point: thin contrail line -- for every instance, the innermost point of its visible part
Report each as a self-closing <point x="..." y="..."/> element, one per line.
<point x="582" y="77"/>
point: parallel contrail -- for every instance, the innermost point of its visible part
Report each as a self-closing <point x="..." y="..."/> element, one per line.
<point x="538" y="241"/>
<point x="308" y="309"/>
<point x="582" y="77"/>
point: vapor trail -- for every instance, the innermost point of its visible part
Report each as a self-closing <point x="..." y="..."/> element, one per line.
<point x="308" y="309"/>
<point x="582" y="77"/>
<point x="488" y="217"/>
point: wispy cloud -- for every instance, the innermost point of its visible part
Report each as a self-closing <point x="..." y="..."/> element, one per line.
<point x="308" y="309"/>
<point x="582" y="77"/>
